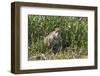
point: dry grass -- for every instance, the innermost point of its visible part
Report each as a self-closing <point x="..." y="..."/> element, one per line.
<point x="66" y="54"/>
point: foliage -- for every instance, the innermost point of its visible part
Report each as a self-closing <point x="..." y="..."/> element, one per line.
<point x="74" y="32"/>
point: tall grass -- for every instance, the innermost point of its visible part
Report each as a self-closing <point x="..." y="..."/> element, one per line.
<point x="74" y="33"/>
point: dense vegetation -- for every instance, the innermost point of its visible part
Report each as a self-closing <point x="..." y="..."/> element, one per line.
<point x="74" y="32"/>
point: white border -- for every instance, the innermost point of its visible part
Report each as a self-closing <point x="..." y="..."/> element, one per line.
<point x="25" y="64"/>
